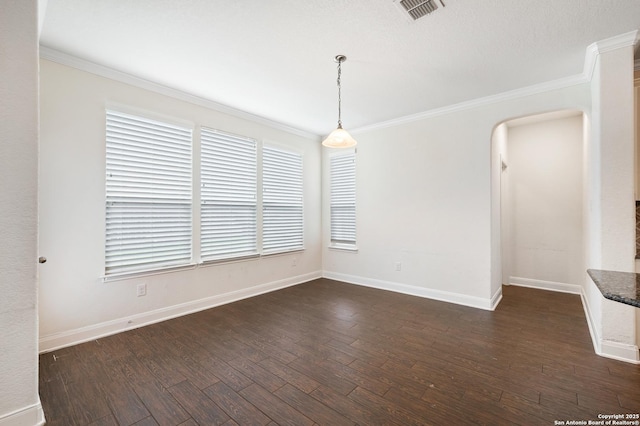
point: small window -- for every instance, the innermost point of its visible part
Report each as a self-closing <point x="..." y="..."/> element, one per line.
<point x="148" y="194"/>
<point x="282" y="201"/>
<point x="228" y="199"/>
<point x="343" y="200"/>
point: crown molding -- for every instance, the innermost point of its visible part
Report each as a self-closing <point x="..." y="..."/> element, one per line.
<point x="590" y="57"/>
<point x="617" y="42"/>
<point x="103" y="71"/>
<point x="591" y="54"/>
<point x="629" y="39"/>
<point x="475" y="103"/>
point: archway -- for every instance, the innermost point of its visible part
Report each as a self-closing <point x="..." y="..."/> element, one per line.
<point x="538" y="202"/>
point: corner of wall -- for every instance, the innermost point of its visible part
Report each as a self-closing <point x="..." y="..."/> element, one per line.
<point x="427" y="293"/>
<point x="56" y="341"/>
<point x="607" y="348"/>
<point x="496" y="299"/>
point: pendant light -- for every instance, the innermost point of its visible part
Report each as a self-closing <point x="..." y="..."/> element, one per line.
<point x="339" y="138"/>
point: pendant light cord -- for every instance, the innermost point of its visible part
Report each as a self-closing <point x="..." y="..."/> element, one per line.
<point x="339" y="138"/>
<point x="339" y="95"/>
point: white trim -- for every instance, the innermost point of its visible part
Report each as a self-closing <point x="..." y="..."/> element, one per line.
<point x="443" y="296"/>
<point x="619" y="351"/>
<point x="593" y="331"/>
<point x="26" y="416"/>
<point x="607" y="45"/>
<point x="545" y="285"/>
<point x="82" y="64"/>
<point x="72" y="337"/>
<point x="606" y="348"/>
<point x="147" y="273"/>
<point x="343" y="247"/>
<point x="478" y="102"/>
<point x="496" y="299"/>
<point x="629" y="39"/>
<point x="591" y="53"/>
<point x="590" y="57"/>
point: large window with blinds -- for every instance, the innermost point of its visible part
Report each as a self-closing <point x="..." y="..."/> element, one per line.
<point x="150" y="200"/>
<point x="148" y="194"/>
<point x="228" y="200"/>
<point x="342" y="182"/>
<point x="282" y="200"/>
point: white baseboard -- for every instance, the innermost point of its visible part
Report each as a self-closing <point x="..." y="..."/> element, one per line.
<point x="619" y="351"/>
<point x="444" y="296"/>
<point x="72" y="337"/>
<point x="546" y="285"/>
<point x="32" y="415"/>
<point x="496" y="298"/>
<point x="593" y="331"/>
<point x="607" y="348"/>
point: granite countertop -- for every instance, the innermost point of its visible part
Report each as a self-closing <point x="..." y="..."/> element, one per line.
<point x="623" y="287"/>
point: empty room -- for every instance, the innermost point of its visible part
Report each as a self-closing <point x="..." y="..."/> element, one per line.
<point x="364" y="212"/>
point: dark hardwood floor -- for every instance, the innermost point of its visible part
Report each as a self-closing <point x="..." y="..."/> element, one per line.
<point x="330" y="353"/>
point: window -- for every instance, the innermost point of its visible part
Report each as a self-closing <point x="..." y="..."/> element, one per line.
<point x="228" y="199"/>
<point x="343" y="199"/>
<point x="282" y="200"/>
<point x="148" y="194"/>
<point x="150" y="197"/>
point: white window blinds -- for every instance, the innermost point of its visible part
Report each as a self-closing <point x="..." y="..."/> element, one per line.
<point x="282" y="201"/>
<point x="343" y="199"/>
<point x="228" y="196"/>
<point x="148" y="194"/>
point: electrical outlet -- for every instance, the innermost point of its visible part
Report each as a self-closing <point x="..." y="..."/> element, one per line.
<point x="398" y="266"/>
<point x="141" y="290"/>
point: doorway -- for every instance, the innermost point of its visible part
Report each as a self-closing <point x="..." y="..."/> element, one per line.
<point x="539" y="176"/>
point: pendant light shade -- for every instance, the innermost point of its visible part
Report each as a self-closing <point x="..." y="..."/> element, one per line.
<point x="339" y="138"/>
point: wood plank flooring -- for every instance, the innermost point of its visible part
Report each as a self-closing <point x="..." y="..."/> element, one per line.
<point x="329" y="353"/>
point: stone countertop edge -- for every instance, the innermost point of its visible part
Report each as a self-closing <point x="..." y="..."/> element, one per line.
<point x="623" y="287"/>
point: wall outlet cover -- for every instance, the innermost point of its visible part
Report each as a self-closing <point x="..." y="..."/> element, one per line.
<point x="141" y="289"/>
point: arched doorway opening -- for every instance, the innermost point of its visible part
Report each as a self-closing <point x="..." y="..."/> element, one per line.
<point x="538" y="184"/>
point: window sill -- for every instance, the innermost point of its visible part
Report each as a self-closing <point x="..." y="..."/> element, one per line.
<point x="282" y="253"/>
<point x="224" y="260"/>
<point x="344" y="247"/>
<point x="205" y="263"/>
<point x="146" y="273"/>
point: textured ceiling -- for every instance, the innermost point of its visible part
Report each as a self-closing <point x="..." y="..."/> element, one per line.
<point x="274" y="58"/>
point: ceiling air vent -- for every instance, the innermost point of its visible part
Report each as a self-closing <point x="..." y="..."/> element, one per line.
<point x="417" y="8"/>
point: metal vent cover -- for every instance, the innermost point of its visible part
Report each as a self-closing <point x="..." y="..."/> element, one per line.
<point x="417" y="8"/>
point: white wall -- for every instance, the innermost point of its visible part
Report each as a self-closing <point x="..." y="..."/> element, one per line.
<point x="19" y="402"/>
<point x="424" y="199"/>
<point x="424" y="190"/>
<point x="499" y="208"/>
<point x="636" y="82"/>
<point x="424" y="187"/>
<point x="591" y="224"/>
<point x="610" y="208"/>
<point x="545" y="203"/>
<point x="75" y="303"/>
